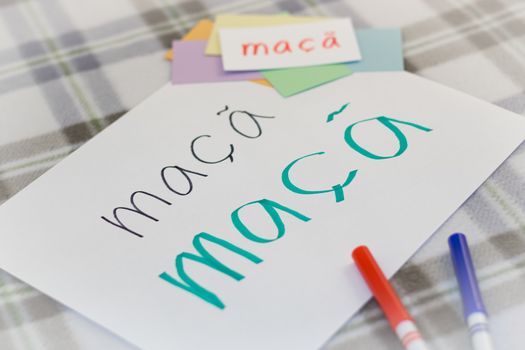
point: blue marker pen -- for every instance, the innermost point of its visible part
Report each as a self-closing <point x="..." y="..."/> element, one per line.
<point x="473" y="308"/>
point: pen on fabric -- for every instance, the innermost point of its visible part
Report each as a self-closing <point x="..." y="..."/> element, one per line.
<point x="396" y="314"/>
<point x="473" y="307"/>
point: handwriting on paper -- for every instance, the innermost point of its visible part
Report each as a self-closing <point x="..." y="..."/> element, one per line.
<point x="295" y="45"/>
<point x="278" y="213"/>
<point x="307" y="44"/>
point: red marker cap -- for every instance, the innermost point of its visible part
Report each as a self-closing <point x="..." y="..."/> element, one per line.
<point x="381" y="289"/>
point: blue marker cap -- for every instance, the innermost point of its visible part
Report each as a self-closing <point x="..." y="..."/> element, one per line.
<point x="465" y="274"/>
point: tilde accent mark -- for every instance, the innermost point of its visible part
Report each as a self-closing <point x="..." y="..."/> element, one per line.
<point x="333" y="114"/>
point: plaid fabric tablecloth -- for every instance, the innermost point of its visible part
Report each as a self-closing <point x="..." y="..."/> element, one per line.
<point x="69" y="68"/>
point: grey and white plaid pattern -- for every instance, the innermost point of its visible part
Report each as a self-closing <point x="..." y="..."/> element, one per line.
<point x="69" y="68"/>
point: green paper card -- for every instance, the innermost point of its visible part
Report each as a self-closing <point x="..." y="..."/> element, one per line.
<point x="381" y="50"/>
<point x="291" y="81"/>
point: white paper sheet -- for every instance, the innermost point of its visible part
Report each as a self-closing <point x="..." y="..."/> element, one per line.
<point x="53" y="237"/>
<point x="293" y="45"/>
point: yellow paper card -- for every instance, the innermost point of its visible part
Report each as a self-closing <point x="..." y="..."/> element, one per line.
<point x="239" y="21"/>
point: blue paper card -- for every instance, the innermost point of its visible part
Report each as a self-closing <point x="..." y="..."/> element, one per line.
<point x="381" y="50"/>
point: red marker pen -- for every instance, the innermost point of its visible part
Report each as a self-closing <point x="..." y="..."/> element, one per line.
<point x="386" y="297"/>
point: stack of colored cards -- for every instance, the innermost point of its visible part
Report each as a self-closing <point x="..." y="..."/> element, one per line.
<point x="290" y="53"/>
